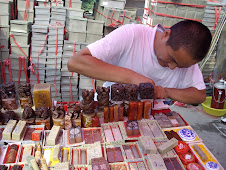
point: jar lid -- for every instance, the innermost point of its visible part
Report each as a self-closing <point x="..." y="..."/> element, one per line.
<point x="187" y="134"/>
<point x="182" y="147"/>
<point x="212" y="166"/>
<point x="194" y="166"/>
<point x="187" y="158"/>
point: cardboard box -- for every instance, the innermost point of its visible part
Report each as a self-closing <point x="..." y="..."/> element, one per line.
<point x="16" y="51"/>
<point x="4" y="19"/>
<point x="20" y="26"/>
<point x="95" y="26"/>
<point x="74" y="4"/>
<point x="77" y="36"/>
<point x="21" y="38"/>
<point x="74" y="13"/>
<point x="78" y="24"/>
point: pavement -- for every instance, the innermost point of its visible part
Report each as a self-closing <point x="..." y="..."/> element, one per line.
<point x="201" y="123"/>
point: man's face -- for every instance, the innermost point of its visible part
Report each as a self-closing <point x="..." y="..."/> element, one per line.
<point x="167" y="57"/>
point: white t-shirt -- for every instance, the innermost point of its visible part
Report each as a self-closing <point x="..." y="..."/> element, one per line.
<point x="132" y="46"/>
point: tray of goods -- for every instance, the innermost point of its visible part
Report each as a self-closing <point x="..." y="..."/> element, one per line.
<point x="26" y="150"/>
<point x="11" y="153"/>
<point x="112" y="133"/>
<point x="169" y="119"/>
<point x="173" y="162"/>
<point x="130" y="130"/>
<point x="55" y="155"/>
<point x="92" y="135"/>
<point x="156" y="161"/>
<point x="16" y="167"/>
<point x="53" y="137"/>
<point x="83" y="167"/>
<point x="131" y="151"/>
<point x="164" y="148"/>
<point x="34" y="134"/>
<point x="114" y="153"/>
<point x="151" y="128"/>
<point x="187" y="157"/>
<point x="206" y="158"/>
<point x="3" y="150"/>
<point x="14" y="131"/>
<point x="82" y="155"/>
<point x="73" y="137"/>
<point x="119" y="165"/>
<point x="138" y="165"/>
<point x="185" y="133"/>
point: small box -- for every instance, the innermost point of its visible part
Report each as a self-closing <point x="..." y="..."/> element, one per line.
<point x="36" y="135"/>
<point x="4" y="31"/>
<point x="4" y="19"/>
<point x="17" y="51"/>
<point x="74" y="5"/>
<point x="20" y="26"/>
<point x="42" y="96"/>
<point x="6" y="134"/>
<point x="20" y="37"/>
<point x="30" y="15"/>
<point x="18" y="132"/>
<point x="75" y="12"/>
<point x="78" y="24"/>
<point x="90" y="38"/>
<point x="77" y="36"/>
<point x="40" y="28"/>
<point x="5" y="6"/>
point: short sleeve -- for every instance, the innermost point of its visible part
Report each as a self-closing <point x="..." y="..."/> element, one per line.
<point x="192" y="77"/>
<point x="110" y="48"/>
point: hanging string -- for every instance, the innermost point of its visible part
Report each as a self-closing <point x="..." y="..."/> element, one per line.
<point x="22" y="64"/>
<point x="26" y="9"/>
<point x="3" y="78"/>
<point x="217" y="16"/>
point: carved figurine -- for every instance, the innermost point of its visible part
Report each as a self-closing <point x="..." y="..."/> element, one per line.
<point x="103" y="97"/>
<point x="8" y="96"/>
<point x="25" y="96"/>
<point x="87" y="104"/>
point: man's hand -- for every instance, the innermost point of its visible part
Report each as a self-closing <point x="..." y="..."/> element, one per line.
<point x="160" y="92"/>
<point x="189" y="95"/>
<point x="142" y="79"/>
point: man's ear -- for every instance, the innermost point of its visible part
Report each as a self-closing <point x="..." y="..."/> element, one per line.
<point x="166" y="34"/>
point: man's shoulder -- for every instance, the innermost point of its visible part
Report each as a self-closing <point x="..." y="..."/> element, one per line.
<point x="135" y="27"/>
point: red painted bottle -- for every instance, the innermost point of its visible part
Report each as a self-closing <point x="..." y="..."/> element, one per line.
<point x="218" y="97"/>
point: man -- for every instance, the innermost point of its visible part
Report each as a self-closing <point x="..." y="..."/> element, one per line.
<point x="136" y="53"/>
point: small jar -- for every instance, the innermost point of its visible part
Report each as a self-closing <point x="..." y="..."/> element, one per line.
<point x="181" y="148"/>
<point x="187" y="158"/>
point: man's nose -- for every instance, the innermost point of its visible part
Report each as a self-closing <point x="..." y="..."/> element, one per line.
<point x="172" y="65"/>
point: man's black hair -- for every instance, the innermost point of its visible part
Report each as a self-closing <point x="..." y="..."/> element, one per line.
<point x="192" y="36"/>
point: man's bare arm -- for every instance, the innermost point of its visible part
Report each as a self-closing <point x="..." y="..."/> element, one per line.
<point x="84" y="63"/>
<point x="189" y="95"/>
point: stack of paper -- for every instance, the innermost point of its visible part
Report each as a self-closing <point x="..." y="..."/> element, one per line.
<point x="76" y="27"/>
<point x="69" y="81"/>
<point x="20" y="48"/>
<point x="53" y="63"/>
<point x="168" y="14"/>
<point x="213" y="14"/>
<point x="5" y="16"/>
<point x="25" y="10"/>
<point x="42" y="15"/>
<point x="112" y="13"/>
<point x="58" y="15"/>
<point x="74" y="4"/>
